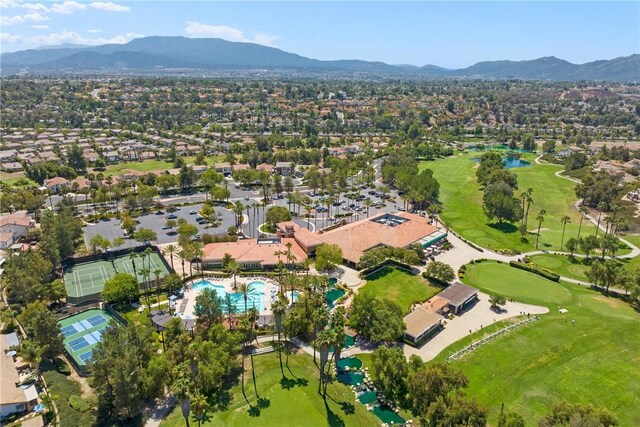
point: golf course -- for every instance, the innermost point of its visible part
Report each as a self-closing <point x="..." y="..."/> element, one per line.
<point x="461" y="197"/>
<point x="589" y="354"/>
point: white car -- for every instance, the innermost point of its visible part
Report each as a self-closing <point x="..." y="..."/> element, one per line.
<point x="193" y="212"/>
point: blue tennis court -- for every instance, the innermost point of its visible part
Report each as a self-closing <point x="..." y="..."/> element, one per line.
<point x="78" y="343"/>
<point x="85" y="357"/>
<point x="96" y="320"/>
<point x="68" y="330"/>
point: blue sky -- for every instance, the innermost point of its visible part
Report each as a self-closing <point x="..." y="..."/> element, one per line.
<point x="450" y="34"/>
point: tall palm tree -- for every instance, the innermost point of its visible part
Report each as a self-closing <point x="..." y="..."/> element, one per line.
<point x="233" y="268"/>
<point x="602" y="206"/>
<point x="278" y="308"/>
<point x="199" y="406"/>
<point x="565" y="220"/>
<point x="367" y="205"/>
<point x="326" y="338"/>
<point x="183" y="255"/>
<point x="583" y="213"/>
<point x="132" y="257"/>
<point x="145" y="273"/>
<point x="319" y="317"/>
<point x="198" y="253"/>
<point x="170" y="250"/>
<point x="540" y="218"/>
<point x="245" y="289"/>
<point x="157" y="272"/>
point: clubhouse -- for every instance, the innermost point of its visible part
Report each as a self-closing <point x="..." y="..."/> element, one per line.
<point x="398" y="230"/>
<point x="253" y="254"/>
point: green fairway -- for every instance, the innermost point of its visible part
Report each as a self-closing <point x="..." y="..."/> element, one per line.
<point x="492" y="277"/>
<point x="575" y="268"/>
<point x="293" y="401"/>
<point x="462" y="199"/>
<point x="153" y="165"/>
<point x="399" y="286"/>
<point x="594" y="361"/>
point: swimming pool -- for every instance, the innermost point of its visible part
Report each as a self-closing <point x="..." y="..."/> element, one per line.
<point x="255" y="298"/>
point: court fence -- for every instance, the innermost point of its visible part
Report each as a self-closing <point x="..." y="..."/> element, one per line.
<point x="82" y="300"/>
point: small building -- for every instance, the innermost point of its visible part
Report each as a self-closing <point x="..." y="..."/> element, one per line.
<point x="284" y="168"/>
<point x="56" y="184"/>
<point x="421" y="324"/>
<point x="223" y="167"/>
<point x="252" y="254"/>
<point x="460" y="297"/>
<point x="265" y="167"/>
<point x="160" y="319"/>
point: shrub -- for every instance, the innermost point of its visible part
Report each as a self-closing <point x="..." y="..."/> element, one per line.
<point x="535" y="270"/>
<point x="62" y="367"/>
<point x="78" y="403"/>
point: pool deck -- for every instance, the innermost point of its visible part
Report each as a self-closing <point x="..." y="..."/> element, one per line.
<point x="191" y="294"/>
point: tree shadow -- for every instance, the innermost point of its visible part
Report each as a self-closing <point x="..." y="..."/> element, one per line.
<point x="263" y="403"/>
<point x="505" y="227"/>
<point x="333" y="419"/>
<point x="289" y="383"/>
<point x="348" y="408"/>
<point x="254" y="411"/>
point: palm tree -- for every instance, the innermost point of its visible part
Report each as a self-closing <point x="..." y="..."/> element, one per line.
<point x="145" y="273"/>
<point x="325" y="339"/>
<point x="601" y="208"/>
<point x="198" y="253"/>
<point x="319" y="317"/>
<point x="157" y="272"/>
<point x="169" y="251"/>
<point x="183" y="255"/>
<point x="233" y="268"/>
<point x="278" y="308"/>
<point x="565" y="219"/>
<point x="583" y="212"/>
<point x="199" y="406"/>
<point x="245" y="289"/>
<point x="540" y="218"/>
<point x="132" y="257"/>
<point x="527" y="201"/>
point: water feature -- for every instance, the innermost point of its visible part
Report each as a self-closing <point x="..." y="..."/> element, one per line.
<point x="353" y="363"/>
<point x="386" y="415"/>
<point x="348" y="343"/>
<point x="509" y="162"/>
<point x="333" y="295"/>
<point x="351" y="378"/>
<point x="367" y="397"/>
<point x="333" y="282"/>
<point x="255" y="298"/>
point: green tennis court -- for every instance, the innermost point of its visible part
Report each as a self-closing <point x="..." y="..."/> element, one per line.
<point x="85" y="280"/>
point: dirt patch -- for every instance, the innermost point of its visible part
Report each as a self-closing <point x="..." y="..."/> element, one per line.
<point x="611" y="302"/>
<point x="87" y="391"/>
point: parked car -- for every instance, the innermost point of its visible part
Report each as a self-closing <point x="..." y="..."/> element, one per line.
<point x="172" y="216"/>
<point x="193" y="212"/>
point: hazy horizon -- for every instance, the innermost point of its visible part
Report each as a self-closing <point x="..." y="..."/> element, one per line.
<point x="447" y="34"/>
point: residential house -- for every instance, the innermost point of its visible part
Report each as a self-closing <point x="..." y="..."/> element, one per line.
<point x="56" y="184"/>
<point x="284" y="168"/>
<point x="223" y="167"/>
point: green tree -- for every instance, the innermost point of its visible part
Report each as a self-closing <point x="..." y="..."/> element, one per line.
<point x="121" y="288"/>
<point x="378" y="320"/>
<point x="75" y="158"/>
<point x="540" y="219"/>
<point x="498" y="202"/>
<point x="390" y="371"/>
<point x="577" y="414"/>
<point x="496" y="301"/>
<point x="510" y="419"/>
<point x="208" y="308"/>
<point x="145" y="235"/>
<point x="565" y="220"/>
<point x="277" y="214"/>
<point x="440" y="271"/>
<point x="328" y="256"/>
<point x="42" y="328"/>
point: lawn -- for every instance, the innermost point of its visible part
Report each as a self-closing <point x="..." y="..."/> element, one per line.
<point x="61" y="388"/>
<point x="462" y="199"/>
<point x="293" y="401"/>
<point x="399" y="286"/>
<point x="492" y="277"/>
<point x="152" y="165"/>
<point x="594" y="361"/>
<point x="563" y="265"/>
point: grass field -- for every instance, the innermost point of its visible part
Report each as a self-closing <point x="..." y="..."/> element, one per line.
<point x="396" y="285"/>
<point x="294" y="401"/>
<point x="575" y="268"/>
<point x="462" y="199"/>
<point x="594" y="361"/>
<point x="152" y="165"/>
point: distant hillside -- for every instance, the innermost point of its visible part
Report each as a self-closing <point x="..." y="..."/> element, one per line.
<point x="153" y="53"/>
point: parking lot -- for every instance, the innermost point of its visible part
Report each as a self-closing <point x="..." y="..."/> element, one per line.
<point x="111" y="229"/>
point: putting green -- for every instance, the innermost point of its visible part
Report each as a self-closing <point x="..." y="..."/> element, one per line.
<point x="563" y="265"/>
<point x="510" y="282"/>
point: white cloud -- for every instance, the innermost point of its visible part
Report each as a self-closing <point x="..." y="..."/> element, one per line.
<point x="68" y="7"/>
<point x="109" y="6"/>
<point x="9" y="38"/>
<point x="20" y="19"/>
<point x="94" y="30"/>
<point x="11" y="4"/>
<point x="75" y="38"/>
<point x="198" y="29"/>
<point x="40" y="27"/>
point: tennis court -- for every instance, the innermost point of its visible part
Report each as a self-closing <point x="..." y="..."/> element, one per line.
<point x="87" y="279"/>
<point x="82" y="332"/>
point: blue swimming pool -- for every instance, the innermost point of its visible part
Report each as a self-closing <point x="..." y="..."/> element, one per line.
<point x="255" y="298"/>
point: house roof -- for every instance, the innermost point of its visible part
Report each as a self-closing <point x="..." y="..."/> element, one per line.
<point x="9" y="377"/>
<point x="58" y="180"/>
<point x="420" y="320"/>
<point x="253" y="250"/>
<point x="17" y="218"/>
<point x="458" y="293"/>
<point x="356" y="238"/>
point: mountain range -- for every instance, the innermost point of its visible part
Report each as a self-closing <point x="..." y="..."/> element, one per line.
<point x="180" y="54"/>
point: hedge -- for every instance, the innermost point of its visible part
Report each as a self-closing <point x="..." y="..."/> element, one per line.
<point x="535" y="270"/>
<point x="435" y="280"/>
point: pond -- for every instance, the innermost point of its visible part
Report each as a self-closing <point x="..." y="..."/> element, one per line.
<point x="386" y="415"/>
<point x="368" y="397"/>
<point x="333" y="295"/>
<point x="352" y="362"/>
<point x="509" y="162"/>
<point x="351" y="378"/>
